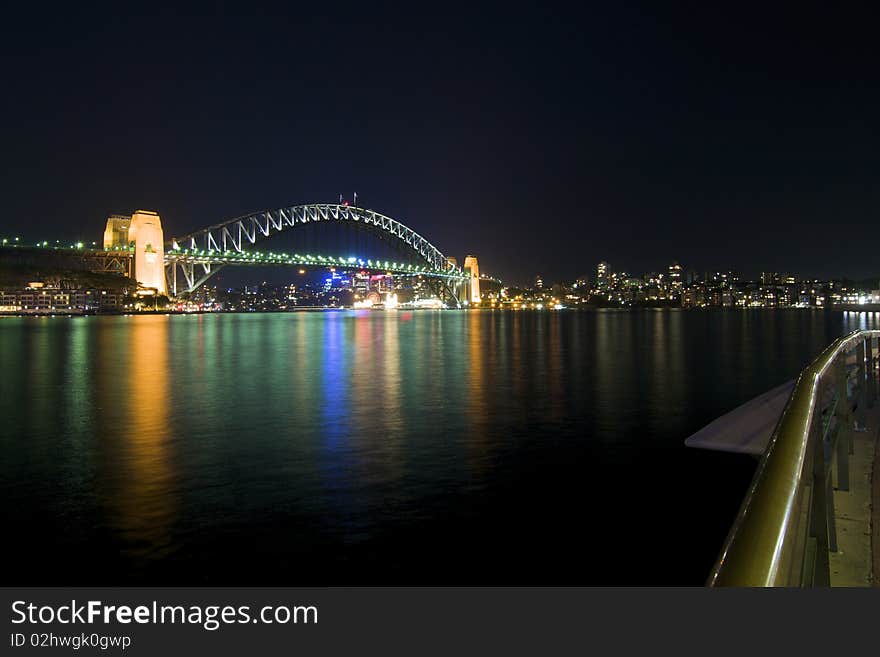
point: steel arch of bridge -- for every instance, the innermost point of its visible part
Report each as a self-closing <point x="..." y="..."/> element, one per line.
<point x="232" y="236"/>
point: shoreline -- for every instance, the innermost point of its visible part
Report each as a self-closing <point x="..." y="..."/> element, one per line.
<point x="147" y="313"/>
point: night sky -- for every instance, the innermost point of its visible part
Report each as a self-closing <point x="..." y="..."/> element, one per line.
<point x="542" y="139"/>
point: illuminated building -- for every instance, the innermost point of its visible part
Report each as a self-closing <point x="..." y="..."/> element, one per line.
<point x="472" y="286"/>
<point x="116" y="232"/>
<point x="602" y="276"/>
<point x="361" y="283"/>
<point x="145" y="231"/>
<point x="539" y="282"/>
<point x="675" y="271"/>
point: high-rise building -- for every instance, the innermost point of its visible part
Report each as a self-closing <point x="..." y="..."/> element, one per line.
<point x="539" y="282"/>
<point x="602" y="274"/>
<point x="675" y="275"/>
<point x="472" y="269"/>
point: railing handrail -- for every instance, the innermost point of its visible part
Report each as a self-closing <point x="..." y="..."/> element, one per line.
<point x="760" y="547"/>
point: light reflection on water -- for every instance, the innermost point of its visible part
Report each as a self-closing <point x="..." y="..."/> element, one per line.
<point x="366" y="447"/>
<point x="141" y="480"/>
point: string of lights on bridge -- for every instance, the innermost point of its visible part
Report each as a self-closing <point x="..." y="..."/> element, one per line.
<point x="271" y="258"/>
<point x="45" y="244"/>
<point x="251" y="257"/>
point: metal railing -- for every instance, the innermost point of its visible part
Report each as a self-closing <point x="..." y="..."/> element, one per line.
<point x="785" y="529"/>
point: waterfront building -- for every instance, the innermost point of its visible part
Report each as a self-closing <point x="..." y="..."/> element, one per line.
<point x="694" y="297"/>
<point x="675" y="279"/>
<point x="582" y="283"/>
<point x="39" y="298"/>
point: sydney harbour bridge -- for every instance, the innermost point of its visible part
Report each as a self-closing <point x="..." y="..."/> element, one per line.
<point x="135" y="245"/>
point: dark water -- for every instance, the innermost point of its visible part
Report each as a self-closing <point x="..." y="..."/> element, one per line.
<point x="381" y="448"/>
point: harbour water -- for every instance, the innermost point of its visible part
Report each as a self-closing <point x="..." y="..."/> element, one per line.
<point x="359" y="447"/>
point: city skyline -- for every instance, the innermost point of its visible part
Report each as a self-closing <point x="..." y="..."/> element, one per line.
<point x="126" y="273"/>
<point x="273" y="268"/>
<point x="521" y="277"/>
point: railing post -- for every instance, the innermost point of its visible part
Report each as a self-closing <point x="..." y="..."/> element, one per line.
<point x="843" y="451"/>
<point x="875" y="374"/>
<point x="870" y="380"/>
<point x="863" y="382"/>
<point x="843" y="420"/>
<point x="821" y="566"/>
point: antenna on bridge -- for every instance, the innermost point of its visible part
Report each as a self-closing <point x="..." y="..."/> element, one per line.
<point x="355" y="199"/>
